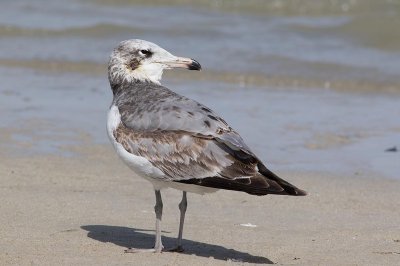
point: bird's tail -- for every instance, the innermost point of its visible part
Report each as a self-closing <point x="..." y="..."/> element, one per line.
<point x="288" y="189"/>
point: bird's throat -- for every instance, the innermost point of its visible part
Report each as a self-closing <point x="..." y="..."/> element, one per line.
<point x="147" y="73"/>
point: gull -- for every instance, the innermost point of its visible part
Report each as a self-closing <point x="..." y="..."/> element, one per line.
<point x="173" y="141"/>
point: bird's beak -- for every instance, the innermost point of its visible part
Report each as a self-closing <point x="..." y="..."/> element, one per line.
<point x="183" y="62"/>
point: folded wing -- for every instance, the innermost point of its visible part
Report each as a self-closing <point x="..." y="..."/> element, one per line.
<point x="191" y="144"/>
<point x="203" y="160"/>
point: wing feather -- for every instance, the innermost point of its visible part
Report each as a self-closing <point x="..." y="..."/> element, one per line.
<point x="180" y="155"/>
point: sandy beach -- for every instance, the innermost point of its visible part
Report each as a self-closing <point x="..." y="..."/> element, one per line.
<point x="87" y="210"/>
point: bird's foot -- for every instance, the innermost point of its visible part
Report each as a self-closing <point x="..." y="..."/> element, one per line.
<point x="145" y="250"/>
<point x="140" y="250"/>
<point x="176" y="249"/>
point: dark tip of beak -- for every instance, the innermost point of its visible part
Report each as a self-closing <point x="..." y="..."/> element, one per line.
<point x="194" y="65"/>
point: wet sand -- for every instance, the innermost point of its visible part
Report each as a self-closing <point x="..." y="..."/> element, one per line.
<point x="87" y="209"/>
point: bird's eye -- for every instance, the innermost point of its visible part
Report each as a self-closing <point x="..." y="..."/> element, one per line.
<point x="147" y="53"/>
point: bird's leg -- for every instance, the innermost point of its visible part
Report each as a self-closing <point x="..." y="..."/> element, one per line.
<point x="182" y="208"/>
<point x="158" y="247"/>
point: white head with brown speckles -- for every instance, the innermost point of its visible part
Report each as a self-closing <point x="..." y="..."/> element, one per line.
<point x="142" y="61"/>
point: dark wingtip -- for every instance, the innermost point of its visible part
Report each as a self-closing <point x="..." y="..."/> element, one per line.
<point x="194" y="65"/>
<point x="300" y="192"/>
<point x="289" y="189"/>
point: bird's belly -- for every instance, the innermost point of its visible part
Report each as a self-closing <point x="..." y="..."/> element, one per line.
<point x="143" y="168"/>
<point x="140" y="165"/>
<point x="191" y="188"/>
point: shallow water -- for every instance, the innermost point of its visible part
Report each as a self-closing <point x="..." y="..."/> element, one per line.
<point x="343" y="41"/>
<point x="310" y="86"/>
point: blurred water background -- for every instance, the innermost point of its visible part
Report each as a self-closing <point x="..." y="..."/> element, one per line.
<point x="311" y="85"/>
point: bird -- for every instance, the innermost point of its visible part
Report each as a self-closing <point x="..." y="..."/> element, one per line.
<point x="174" y="141"/>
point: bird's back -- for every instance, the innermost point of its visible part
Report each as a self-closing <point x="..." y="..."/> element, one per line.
<point x="150" y="107"/>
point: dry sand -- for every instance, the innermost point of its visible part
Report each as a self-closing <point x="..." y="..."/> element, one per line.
<point x="87" y="209"/>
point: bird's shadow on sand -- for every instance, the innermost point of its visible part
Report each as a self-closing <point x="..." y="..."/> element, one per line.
<point x="139" y="238"/>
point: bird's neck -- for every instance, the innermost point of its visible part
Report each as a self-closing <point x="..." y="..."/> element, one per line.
<point x="122" y="85"/>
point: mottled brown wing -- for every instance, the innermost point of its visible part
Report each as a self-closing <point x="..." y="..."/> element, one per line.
<point x="178" y="154"/>
<point x="196" y="159"/>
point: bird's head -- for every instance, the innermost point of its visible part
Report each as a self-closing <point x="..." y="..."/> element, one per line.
<point x="139" y="60"/>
